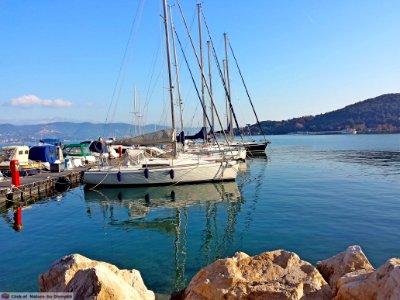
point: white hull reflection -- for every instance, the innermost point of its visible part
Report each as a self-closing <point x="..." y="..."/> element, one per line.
<point x="140" y="200"/>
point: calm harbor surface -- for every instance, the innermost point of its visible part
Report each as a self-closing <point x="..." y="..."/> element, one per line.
<point x="314" y="195"/>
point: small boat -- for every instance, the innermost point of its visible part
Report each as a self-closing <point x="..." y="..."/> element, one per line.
<point x="46" y="155"/>
<point x="101" y="149"/>
<point x="20" y="153"/>
<point x="78" y="154"/>
<point x="255" y="148"/>
<point x="54" y="142"/>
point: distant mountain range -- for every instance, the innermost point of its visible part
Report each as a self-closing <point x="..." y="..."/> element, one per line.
<point x="376" y="115"/>
<point x="68" y="131"/>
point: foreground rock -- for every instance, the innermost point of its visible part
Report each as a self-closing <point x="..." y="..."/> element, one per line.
<point x="384" y="283"/>
<point x="91" y="279"/>
<point x="353" y="259"/>
<point x="271" y="275"/>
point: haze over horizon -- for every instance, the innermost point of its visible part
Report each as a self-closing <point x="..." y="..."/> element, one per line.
<point x="79" y="61"/>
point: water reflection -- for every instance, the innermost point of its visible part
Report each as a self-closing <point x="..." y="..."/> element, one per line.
<point x="221" y="204"/>
<point x="14" y="222"/>
<point x="140" y="200"/>
<point x="388" y="160"/>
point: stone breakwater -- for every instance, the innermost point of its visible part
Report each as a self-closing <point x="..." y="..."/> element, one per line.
<point x="276" y="274"/>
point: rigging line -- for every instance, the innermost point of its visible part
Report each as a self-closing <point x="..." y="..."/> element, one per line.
<point x="139" y="10"/>
<point x="163" y="117"/>
<point x="247" y="91"/>
<point x="151" y="73"/>
<point x="128" y="59"/>
<point x="222" y="77"/>
<point x="197" y="90"/>
<point x="204" y="80"/>
<point x="155" y="82"/>
<point x="194" y="115"/>
<point x="187" y="41"/>
<point x="180" y="60"/>
<point x="151" y="85"/>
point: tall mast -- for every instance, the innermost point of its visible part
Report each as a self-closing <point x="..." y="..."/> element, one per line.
<point x="226" y="97"/>
<point x="176" y="67"/>
<point x="134" y="99"/>
<point x="210" y="84"/>
<point x="171" y="94"/>
<point x="198" y="62"/>
<point x="135" y="111"/>
<point x="228" y="85"/>
<point x="202" y="68"/>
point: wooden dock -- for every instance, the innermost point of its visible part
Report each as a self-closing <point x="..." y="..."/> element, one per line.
<point x="39" y="186"/>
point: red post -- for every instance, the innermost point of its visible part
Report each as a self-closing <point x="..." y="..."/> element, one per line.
<point x="119" y="151"/>
<point x="18" y="219"/>
<point x="14" y="168"/>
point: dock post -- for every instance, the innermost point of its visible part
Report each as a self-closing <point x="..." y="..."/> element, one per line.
<point x="14" y="168"/>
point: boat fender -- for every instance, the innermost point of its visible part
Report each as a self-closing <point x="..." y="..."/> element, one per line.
<point x="146" y="173"/>
<point x="147" y="198"/>
<point x="120" y="196"/>
<point x="119" y="175"/>
<point x="172" y="173"/>
<point x="62" y="184"/>
<point x="173" y="196"/>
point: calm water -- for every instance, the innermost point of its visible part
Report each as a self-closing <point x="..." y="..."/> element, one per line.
<point x="314" y="195"/>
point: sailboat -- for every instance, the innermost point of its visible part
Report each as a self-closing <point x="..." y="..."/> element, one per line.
<point x="139" y="170"/>
<point x="253" y="148"/>
<point x="158" y="171"/>
<point x="210" y="148"/>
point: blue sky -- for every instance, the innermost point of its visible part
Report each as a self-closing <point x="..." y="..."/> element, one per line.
<point x="79" y="60"/>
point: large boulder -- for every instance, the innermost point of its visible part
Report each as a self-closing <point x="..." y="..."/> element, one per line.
<point x="271" y="275"/>
<point x="384" y="283"/>
<point x="91" y="279"/>
<point x="350" y="260"/>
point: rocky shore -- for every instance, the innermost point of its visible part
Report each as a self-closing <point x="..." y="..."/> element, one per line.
<point x="274" y="275"/>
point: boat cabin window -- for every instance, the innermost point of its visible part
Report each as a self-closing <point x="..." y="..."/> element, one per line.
<point x="85" y="149"/>
<point x="26" y="152"/>
<point x="72" y="150"/>
<point x="20" y="152"/>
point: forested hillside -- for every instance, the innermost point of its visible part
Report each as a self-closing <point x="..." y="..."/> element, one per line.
<point x="376" y="115"/>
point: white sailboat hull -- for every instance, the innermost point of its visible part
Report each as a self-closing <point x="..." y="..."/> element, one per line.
<point x="141" y="176"/>
<point x="213" y="152"/>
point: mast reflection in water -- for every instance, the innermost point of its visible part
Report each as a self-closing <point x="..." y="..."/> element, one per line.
<point x="165" y="210"/>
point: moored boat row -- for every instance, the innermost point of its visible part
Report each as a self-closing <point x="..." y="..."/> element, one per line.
<point x="187" y="162"/>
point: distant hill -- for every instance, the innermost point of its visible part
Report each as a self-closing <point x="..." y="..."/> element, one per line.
<point x="376" y="115"/>
<point x="66" y="131"/>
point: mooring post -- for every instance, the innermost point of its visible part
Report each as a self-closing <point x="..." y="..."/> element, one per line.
<point x="14" y="168"/>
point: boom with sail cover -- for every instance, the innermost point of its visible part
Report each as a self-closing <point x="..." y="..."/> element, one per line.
<point x="202" y="134"/>
<point x="164" y="136"/>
